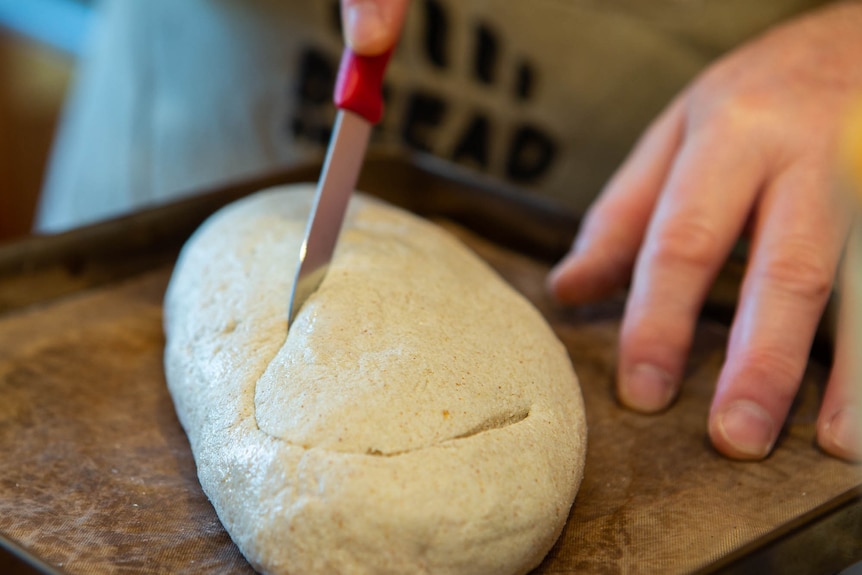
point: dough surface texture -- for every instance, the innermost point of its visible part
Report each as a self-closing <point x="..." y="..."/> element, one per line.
<point x="420" y="417"/>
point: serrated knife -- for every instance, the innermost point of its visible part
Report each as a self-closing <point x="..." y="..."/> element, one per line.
<point x="358" y="97"/>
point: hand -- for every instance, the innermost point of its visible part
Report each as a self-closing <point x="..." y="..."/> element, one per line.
<point x="749" y="148"/>
<point x="372" y="26"/>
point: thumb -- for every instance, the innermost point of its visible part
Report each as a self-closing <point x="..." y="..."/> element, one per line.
<point x="372" y="26"/>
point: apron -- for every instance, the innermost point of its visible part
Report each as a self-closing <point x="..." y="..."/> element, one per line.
<point x="547" y="95"/>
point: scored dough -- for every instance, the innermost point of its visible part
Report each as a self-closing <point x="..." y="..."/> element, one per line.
<point x="420" y="416"/>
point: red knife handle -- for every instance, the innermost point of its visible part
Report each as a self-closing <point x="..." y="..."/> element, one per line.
<point x="359" y="86"/>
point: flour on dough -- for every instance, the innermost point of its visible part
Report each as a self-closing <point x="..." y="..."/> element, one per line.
<point x="420" y="416"/>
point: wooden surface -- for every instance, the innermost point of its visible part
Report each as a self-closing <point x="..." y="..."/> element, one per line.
<point x="97" y="476"/>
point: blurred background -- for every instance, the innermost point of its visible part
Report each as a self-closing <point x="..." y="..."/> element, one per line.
<point x="40" y="41"/>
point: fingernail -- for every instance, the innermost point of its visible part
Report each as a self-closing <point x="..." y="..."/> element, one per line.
<point x="845" y="432"/>
<point x="748" y="428"/>
<point x="363" y="24"/>
<point x="555" y="273"/>
<point x="647" y="388"/>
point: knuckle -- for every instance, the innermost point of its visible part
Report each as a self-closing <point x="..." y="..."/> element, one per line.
<point x="773" y="369"/>
<point x="659" y="338"/>
<point x="690" y="243"/>
<point x="800" y="270"/>
<point x="727" y="109"/>
<point x="732" y="118"/>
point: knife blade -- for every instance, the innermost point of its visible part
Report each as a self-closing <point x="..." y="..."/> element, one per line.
<point x="358" y="97"/>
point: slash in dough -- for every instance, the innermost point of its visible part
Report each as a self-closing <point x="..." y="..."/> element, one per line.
<point x="420" y="416"/>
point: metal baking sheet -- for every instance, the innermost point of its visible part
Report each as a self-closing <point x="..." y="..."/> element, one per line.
<point x="97" y="476"/>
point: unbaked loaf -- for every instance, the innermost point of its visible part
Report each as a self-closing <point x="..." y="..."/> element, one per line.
<point x="419" y="417"/>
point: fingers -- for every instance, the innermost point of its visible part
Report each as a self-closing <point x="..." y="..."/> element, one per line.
<point x="790" y="274"/>
<point x="372" y="26"/>
<point x="602" y="257"/>
<point x="700" y="214"/>
<point x="839" y="426"/>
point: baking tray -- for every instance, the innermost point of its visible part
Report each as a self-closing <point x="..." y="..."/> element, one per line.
<point x="97" y="476"/>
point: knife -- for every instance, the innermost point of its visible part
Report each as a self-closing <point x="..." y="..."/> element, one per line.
<point x="358" y="97"/>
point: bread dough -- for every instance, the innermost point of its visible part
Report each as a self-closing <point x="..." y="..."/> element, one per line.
<point x="420" y="416"/>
